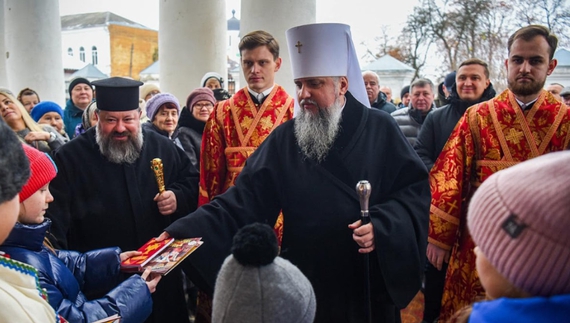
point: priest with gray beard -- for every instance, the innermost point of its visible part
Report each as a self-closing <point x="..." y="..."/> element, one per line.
<point x="308" y="168"/>
<point x="105" y="193"/>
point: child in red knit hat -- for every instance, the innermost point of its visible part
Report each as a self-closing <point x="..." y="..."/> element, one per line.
<point x="66" y="275"/>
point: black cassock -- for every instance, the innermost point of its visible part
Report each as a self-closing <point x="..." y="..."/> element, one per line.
<point x="318" y="203"/>
<point x="100" y="204"/>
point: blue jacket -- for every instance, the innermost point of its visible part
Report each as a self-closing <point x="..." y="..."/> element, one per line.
<point x="72" y="116"/>
<point x="521" y="310"/>
<point x="65" y="275"/>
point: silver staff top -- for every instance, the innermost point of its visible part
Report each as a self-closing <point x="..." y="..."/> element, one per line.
<point x="363" y="190"/>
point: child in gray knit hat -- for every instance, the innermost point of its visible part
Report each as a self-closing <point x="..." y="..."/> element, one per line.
<point x="256" y="286"/>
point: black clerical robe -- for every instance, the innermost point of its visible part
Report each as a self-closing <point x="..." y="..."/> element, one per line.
<point x="100" y="204"/>
<point x="318" y="203"/>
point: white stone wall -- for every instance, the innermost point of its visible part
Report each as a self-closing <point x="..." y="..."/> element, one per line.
<point x="89" y="37"/>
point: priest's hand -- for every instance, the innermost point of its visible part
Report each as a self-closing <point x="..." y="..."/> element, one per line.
<point x="163" y="236"/>
<point x="363" y="235"/>
<point x="437" y="255"/>
<point x="166" y="202"/>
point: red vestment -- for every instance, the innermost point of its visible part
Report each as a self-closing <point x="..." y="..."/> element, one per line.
<point x="491" y="136"/>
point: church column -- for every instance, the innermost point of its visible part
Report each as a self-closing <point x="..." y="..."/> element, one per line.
<point x="275" y="17"/>
<point x="191" y="41"/>
<point x="3" y="76"/>
<point x="32" y="30"/>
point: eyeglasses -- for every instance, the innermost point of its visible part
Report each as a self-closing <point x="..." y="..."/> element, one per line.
<point x="204" y="105"/>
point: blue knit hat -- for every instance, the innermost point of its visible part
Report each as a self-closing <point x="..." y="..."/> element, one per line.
<point x="44" y="107"/>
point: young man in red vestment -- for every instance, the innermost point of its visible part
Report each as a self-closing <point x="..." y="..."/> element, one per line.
<point x="240" y="124"/>
<point x="521" y="123"/>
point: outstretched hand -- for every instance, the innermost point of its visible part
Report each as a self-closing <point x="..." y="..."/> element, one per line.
<point x="151" y="279"/>
<point x="128" y="254"/>
<point x="163" y="236"/>
<point x="363" y="235"/>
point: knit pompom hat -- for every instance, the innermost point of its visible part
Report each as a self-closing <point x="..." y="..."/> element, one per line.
<point x="200" y="94"/>
<point x="519" y="218"/>
<point x="42" y="169"/>
<point x="256" y="286"/>
<point x="157" y="101"/>
<point x="44" y="107"/>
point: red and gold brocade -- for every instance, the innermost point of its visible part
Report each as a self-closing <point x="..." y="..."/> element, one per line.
<point x="491" y="136"/>
<point x="235" y="129"/>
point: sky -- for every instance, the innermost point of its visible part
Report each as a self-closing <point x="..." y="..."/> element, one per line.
<point x="367" y="18"/>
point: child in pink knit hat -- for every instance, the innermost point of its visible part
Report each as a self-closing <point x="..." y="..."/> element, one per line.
<point x="519" y="220"/>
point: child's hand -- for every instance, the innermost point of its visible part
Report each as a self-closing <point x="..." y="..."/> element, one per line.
<point x="151" y="279"/>
<point x="128" y="254"/>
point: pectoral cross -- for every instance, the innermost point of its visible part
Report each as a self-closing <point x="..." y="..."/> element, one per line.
<point x="299" y="45"/>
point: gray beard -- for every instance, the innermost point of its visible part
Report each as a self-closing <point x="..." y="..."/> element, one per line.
<point x="316" y="133"/>
<point x="119" y="152"/>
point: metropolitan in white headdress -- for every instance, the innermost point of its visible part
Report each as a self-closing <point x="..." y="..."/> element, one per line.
<point x="326" y="50"/>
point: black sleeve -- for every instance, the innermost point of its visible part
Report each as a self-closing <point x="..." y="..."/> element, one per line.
<point x="425" y="144"/>
<point x="254" y="198"/>
<point x="59" y="209"/>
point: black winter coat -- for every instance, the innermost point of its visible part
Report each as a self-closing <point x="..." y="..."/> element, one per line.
<point x="440" y="123"/>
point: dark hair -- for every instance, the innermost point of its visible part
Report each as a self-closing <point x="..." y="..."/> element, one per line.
<point x="258" y="38"/>
<point x="14" y="165"/>
<point x="27" y="91"/>
<point x="529" y="32"/>
<point x="476" y="61"/>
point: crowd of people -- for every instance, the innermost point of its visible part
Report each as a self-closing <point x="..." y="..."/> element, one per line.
<point x="465" y="194"/>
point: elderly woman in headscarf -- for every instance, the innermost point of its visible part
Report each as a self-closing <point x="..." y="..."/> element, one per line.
<point x="44" y="137"/>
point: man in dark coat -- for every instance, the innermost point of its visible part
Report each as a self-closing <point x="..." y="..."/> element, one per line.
<point x="308" y="168"/>
<point x="107" y="195"/>
<point x="376" y="97"/>
<point x="472" y="86"/>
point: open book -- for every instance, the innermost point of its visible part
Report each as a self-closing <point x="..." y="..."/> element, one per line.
<point x="161" y="256"/>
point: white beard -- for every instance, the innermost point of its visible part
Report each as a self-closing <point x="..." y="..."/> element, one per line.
<point x="316" y="133"/>
<point x="119" y="152"/>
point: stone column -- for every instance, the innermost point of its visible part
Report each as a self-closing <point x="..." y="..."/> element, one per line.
<point x="191" y="42"/>
<point x="275" y="17"/>
<point x="3" y="76"/>
<point x="32" y="30"/>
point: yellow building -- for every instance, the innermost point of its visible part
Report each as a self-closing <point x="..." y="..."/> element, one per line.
<point x="115" y="45"/>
